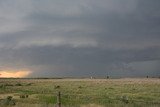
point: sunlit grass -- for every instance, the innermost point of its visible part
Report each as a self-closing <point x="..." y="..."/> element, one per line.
<point x="84" y="92"/>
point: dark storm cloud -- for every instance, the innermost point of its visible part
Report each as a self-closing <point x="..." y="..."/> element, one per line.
<point x="81" y="38"/>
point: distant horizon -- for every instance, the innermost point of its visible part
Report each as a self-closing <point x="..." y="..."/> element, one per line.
<point x="83" y="77"/>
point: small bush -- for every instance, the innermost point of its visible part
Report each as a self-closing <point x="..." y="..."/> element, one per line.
<point x="111" y="88"/>
<point x="80" y="87"/>
<point x="107" y="77"/>
<point x="18" y="84"/>
<point x="24" y="96"/>
<point x="8" y="101"/>
<point x="125" y="99"/>
<point x="56" y="87"/>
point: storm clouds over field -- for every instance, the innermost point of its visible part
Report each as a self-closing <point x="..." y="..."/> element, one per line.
<point x="80" y="37"/>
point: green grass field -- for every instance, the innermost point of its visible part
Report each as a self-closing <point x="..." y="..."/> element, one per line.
<point x="81" y="92"/>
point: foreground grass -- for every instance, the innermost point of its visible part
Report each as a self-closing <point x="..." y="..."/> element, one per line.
<point x="83" y="92"/>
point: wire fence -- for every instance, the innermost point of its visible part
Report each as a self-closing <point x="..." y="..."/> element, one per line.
<point x="59" y="98"/>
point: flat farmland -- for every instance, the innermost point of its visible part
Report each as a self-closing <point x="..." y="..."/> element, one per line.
<point x="124" y="92"/>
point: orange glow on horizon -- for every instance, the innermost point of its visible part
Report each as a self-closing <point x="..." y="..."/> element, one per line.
<point x="14" y="74"/>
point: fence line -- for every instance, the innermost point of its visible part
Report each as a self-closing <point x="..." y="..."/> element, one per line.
<point x="61" y="95"/>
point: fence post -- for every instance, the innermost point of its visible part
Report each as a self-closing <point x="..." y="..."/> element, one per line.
<point x="59" y="99"/>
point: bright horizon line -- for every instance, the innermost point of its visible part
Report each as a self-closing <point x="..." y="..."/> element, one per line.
<point x="14" y="74"/>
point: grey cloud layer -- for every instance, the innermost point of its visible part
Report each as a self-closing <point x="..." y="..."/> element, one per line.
<point x="78" y="38"/>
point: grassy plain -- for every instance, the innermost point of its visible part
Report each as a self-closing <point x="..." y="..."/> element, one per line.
<point x="81" y="92"/>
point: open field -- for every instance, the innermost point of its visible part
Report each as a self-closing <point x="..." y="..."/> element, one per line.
<point x="80" y="92"/>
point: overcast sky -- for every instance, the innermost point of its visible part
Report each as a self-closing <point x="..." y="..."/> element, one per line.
<point x="54" y="38"/>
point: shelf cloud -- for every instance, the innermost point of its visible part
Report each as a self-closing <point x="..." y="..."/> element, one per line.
<point x="80" y="37"/>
